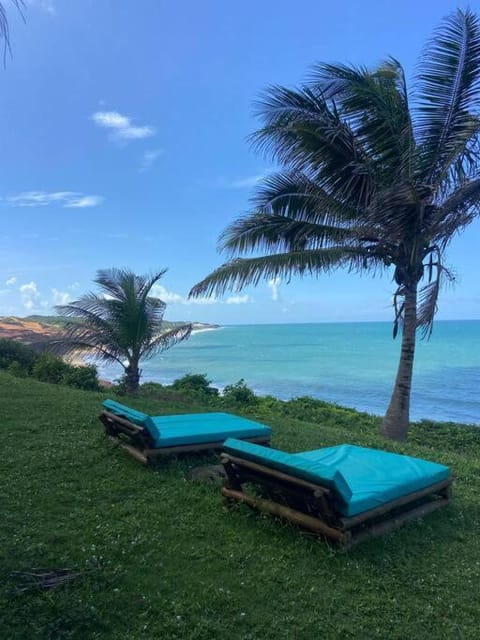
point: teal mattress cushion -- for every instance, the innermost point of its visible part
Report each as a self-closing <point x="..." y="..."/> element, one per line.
<point x="132" y="415"/>
<point x="199" y="428"/>
<point x="376" y="477"/>
<point x="310" y="470"/>
<point x="190" y="428"/>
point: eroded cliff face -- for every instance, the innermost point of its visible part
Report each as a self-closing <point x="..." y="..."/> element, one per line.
<point x="27" y="331"/>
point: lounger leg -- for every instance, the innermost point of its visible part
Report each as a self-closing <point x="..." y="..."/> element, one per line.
<point x="232" y="480"/>
<point x="308" y="522"/>
<point x="381" y="528"/>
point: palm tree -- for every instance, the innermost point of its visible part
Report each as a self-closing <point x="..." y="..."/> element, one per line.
<point x="122" y="324"/>
<point x="373" y="177"/>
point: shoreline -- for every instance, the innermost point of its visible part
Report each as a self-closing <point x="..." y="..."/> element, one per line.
<point x="355" y="370"/>
<point x="204" y="330"/>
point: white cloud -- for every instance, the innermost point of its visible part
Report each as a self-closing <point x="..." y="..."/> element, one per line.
<point x="159" y="291"/>
<point x="84" y="201"/>
<point x="60" y="297"/>
<point x="11" y="281"/>
<point x="148" y="159"/>
<point x="44" y="5"/>
<point x="120" y="126"/>
<point x="170" y="297"/>
<point x="246" y="182"/>
<point x="202" y="301"/>
<point x="33" y="300"/>
<point x="274" y="285"/>
<point x="66" y="199"/>
<point x="238" y="299"/>
<point x="30" y="295"/>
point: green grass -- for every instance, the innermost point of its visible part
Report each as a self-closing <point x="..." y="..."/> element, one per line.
<point x="162" y="558"/>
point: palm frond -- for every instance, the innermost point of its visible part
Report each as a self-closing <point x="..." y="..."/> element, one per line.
<point x="90" y="344"/>
<point x="295" y="195"/>
<point x="241" y="272"/>
<point x="375" y="104"/>
<point x="304" y="133"/>
<point x="457" y="211"/>
<point x="448" y="88"/>
<point x="427" y="301"/>
<point x="167" y="339"/>
<point x="89" y="311"/>
<point x="427" y="307"/>
<point x="5" y="28"/>
<point x="279" y="234"/>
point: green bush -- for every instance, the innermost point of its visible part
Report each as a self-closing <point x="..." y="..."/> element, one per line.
<point x="239" y="393"/>
<point x="48" y="368"/>
<point x="16" y="369"/>
<point x="195" y="382"/>
<point x="13" y="351"/>
<point x="151" y="388"/>
<point x="21" y="360"/>
<point x="82" y="378"/>
<point x="120" y="386"/>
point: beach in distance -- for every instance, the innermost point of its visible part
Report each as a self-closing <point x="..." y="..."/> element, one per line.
<point x="351" y="364"/>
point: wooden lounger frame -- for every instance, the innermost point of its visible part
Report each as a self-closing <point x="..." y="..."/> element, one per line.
<point x="138" y="442"/>
<point x="314" y="507"/>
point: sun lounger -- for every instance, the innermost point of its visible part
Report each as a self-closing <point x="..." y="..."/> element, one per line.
<point x="345" y="493"/>
<point x="148" y="437"/>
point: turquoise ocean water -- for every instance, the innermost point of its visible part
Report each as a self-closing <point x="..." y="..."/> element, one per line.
<point x="352" y="364"/>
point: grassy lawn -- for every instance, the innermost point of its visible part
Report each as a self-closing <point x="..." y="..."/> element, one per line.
<point x="162" y="558"/>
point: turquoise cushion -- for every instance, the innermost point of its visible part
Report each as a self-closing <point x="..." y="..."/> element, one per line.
<point x="201" y="428"/>
<point x="190" y="428"/>
<point x="312" y="471"/>
<point x="376" y="477"/>
<point x="137" y="417"/>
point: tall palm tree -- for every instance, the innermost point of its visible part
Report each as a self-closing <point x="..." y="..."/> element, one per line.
<point x="373" y="177"/>
<point x="123" y="323"/>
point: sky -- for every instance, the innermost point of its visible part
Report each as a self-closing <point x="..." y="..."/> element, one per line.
<point x="124" y="125"/>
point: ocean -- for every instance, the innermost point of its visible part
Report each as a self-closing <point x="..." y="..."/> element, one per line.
<point x="351" y="364"/>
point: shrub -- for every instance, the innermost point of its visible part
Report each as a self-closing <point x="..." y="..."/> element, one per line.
<point x="150" y="388"/>
<point x="82" y="378"/>
<point x="119" y="386"/>
<point x="198" y="383"/>
<point x="48" y="368"/>
<point x="239" y="393"/>
<point x="16" y="369"/>
<point x="13" y="351"/>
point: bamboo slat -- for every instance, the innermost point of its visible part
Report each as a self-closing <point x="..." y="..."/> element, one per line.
<point x="308" y="522"/>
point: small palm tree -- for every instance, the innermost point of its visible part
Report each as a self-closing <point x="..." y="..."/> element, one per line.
<point x="122" y="324"/>
<point x="373" y="177"/>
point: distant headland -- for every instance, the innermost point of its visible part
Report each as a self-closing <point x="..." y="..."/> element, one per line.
<point x="37" y="330"/>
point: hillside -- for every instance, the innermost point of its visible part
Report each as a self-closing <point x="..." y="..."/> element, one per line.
<point x="162" y="558"/>
<point x="36" y="330"/>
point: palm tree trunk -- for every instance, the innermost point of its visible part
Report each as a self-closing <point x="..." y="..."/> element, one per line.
<point x="132" y="378"/>
<point x="397" y="419"/>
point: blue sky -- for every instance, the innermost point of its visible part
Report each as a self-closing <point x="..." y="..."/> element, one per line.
<point x="123" y="132"/>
